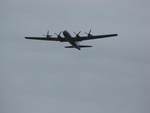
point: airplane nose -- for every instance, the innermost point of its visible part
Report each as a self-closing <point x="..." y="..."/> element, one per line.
<point x="65" y="33"/>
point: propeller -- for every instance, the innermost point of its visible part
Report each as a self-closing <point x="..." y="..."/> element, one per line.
<point x="47" y="34"/>
<point x="77" y="34"/>
<point x="58" y="35"/>
<point x="89" y="34"/>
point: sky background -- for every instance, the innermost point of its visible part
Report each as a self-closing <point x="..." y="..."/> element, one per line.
<point x="44" y="77"/>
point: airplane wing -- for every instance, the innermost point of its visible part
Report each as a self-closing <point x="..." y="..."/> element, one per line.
<point x="82" y="38"/>
<point x="46" y="39"/>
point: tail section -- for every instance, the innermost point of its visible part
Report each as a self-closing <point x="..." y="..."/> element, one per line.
<point x="80" y="46"/>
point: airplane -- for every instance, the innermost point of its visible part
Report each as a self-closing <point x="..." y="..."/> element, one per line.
<point x="72" y="40"/>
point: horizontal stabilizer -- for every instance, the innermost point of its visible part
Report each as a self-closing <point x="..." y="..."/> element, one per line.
<point x="81" y="46"/>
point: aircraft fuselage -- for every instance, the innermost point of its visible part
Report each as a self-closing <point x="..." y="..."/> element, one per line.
<point x="68" y="37"/>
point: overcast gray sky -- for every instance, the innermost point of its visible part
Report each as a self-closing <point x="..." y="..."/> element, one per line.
<point x="44" y="77"/>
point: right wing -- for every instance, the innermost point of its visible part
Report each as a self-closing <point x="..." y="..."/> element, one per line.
<point x="46" y="39"/>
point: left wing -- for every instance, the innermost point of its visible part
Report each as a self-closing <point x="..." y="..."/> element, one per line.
<point x="82" y="38"/>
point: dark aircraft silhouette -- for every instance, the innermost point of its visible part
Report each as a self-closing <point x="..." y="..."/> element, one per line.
<point x="72" y="40"/>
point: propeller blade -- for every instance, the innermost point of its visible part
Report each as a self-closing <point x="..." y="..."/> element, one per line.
<point x="90" y="31"/>
<point x="77" y="34"/>
<point x="58" y="34"/>
<point x="48" y="32"/>
<point x="89" y="34"/>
